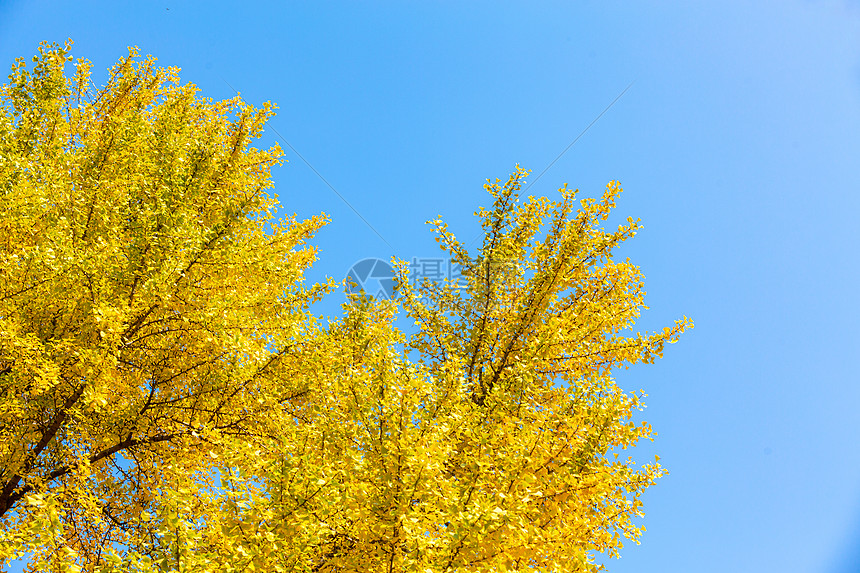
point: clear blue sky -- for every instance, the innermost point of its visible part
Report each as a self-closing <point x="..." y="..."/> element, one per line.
<point x="738" y="145"/>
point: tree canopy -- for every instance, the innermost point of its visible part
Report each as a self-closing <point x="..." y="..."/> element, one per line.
<point x="169" y="403"/>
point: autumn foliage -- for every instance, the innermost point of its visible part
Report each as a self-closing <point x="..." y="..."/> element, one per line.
<point x="169" y="403"/>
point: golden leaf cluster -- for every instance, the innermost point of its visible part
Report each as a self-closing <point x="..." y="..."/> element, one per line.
<point x="169" y="403"/>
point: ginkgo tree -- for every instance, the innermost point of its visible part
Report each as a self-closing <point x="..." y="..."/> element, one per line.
<point x="169" y="403"/>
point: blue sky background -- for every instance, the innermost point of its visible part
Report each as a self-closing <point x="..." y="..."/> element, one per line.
<point x="737" y="144"/>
